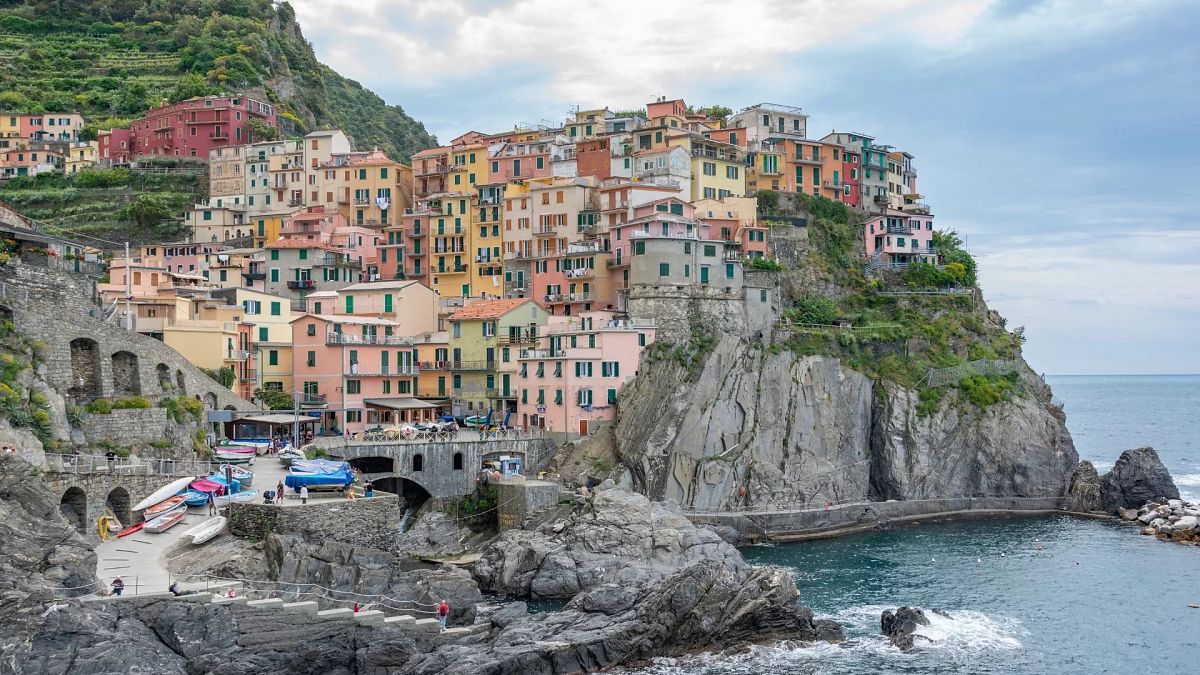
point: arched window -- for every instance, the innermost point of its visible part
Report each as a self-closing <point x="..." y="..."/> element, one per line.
<point x="418" y="462"/>
<point x="458" y="461"/>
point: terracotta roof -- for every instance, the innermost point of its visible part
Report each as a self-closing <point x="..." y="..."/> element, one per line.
<point x="432" y="152"/>
<point x="488" y="309"/>
<point x="302" y="243"/>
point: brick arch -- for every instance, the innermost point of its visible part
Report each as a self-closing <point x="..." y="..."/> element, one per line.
<point x="118" y="502"/>
<point x="210" y="401"/>
<point x="85" y="370"/>
<point x="126" y="379"/>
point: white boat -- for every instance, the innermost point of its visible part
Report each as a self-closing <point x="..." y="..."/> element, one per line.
<point x="286" y="457"/>
<point x="205" y="530"/>
<point x="164" y="522"/>
<point x="243" y="476"/>
<point x="161" y="494"/>
<point x="243" y="496"/>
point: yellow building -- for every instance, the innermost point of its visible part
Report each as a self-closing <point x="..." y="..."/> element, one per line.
<point x="479" y="334"/>
<point x="80" y="156"/>
<point x="718" y="170"/>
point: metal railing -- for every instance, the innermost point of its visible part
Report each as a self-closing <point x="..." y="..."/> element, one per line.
<point x="335" y="338"/>
<point x="129" y="466"/>
<point x="937" y="377"/>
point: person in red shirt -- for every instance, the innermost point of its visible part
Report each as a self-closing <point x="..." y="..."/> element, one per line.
<point x="443" y="613"/>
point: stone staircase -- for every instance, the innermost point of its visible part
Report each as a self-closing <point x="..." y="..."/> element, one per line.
<point x="308" y="608"/>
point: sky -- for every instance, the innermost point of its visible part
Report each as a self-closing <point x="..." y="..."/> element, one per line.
<point x="1055" y="136"/>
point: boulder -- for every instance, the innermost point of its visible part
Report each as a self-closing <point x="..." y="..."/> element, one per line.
<point x="1137" y="477"/>
<point x="1187" y="524"/>
<point x="900" y="626"/>
<point x="1083" y="495"/>
<point x="1128" y="514"/>
<point x="1147" y="517"/>
<point x="615" y="537"/>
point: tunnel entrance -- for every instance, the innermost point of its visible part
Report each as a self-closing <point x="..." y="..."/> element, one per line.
<point x="373" y="465"/>
<point x="73" y="507"/>
<point x="411" y="494"/>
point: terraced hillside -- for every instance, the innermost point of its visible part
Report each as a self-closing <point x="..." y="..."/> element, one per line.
<point x="112" y="59"/>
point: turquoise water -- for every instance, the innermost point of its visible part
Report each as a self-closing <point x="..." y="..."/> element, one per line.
<point x="1098" y="598"/>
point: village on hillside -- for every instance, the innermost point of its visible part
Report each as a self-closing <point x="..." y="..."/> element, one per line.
<point x="488" y="280"/>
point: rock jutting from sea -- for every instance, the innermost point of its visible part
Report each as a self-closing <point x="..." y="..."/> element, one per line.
<point x="1173" y="520"/>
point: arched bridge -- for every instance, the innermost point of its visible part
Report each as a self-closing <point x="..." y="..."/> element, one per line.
<point x="90" y="490"/>
<point x="439" y="468"/>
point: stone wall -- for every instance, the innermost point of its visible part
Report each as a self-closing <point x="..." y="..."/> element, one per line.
<point x="675" y="309"/>
<point x="57" y="310"/>
<point x="518" y="499"/>
<point x="371" y="522"/>
<point x="138" y="429"/>
<point x="102" y="492"/>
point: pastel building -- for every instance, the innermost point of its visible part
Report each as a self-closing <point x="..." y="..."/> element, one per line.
<point x="483" y="338"/>
<point x="570" y="381"/>
<point x="765" y="123"/>
<point x="897" y="239"/>
<point x="575" y="280"/>
<point x="193" y="127"/>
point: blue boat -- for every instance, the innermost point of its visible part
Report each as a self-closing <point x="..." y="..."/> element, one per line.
<point x="337" y="480"/>
<point x="193" y="498"/>
<point x="236" y="486"/>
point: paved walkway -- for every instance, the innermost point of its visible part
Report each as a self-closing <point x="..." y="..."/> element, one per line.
<point x="140" y="560"/>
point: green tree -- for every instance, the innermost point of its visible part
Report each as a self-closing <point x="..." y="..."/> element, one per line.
<point x="815" y="309"/>
<point x="261" y="131"/>
<point x="274" y="399"/>
<point x="768" y="201"/>
<point x="147" y="210"/>
<point x="11" y="100"/>
<point x="717" y="112"/>
<point x="189" y="86"/>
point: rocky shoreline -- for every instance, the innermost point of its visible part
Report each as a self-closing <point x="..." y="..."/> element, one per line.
<point x="1173" y="520"/>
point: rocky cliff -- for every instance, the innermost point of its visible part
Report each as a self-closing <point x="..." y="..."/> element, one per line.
<point x="762" y="427"/>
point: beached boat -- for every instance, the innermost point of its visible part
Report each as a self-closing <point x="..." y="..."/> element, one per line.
<point x="164" y="522"/>
<point x="205" y="531"/>
<point x="243" y="476"/>
<point x="131" y="529"/>
<point x="327" y="478"/>
<point x="168" y="504"/>
<point x="287" y="456"/>
<point x="195" y="498"/>
<point x="240" y="497"/>
<point x="222" y="483"/>
<point x="165" y="492"/>
<point x="317" y="466"/>
<point x="235" y="454"/>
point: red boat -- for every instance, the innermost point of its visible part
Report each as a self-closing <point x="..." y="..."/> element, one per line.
<point x="130" y="530"/>
<point x="164" y="523"/>
<point x="162" y="507"/>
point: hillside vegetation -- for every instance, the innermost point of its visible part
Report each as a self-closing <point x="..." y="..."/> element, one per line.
<point x="112" y="59"/>
<point x="894" y="326"/>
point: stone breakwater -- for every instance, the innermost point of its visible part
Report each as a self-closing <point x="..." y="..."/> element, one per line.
<point x="1172" y="520"/>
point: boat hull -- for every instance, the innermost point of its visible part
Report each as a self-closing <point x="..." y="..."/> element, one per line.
<point x="165" y="506"/>
<point x="165" y="492"/>
<point x="164" y="522"/>
<point x="240" y="497"/>
<point x="205" y="531"/>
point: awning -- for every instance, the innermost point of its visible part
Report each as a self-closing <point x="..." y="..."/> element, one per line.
<point x="278" y="418"/>
<point x="398" y="403"/>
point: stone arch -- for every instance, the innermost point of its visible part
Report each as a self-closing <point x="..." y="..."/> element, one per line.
<point x="117" y="503"/>
<point x="229" y="407"/>
<point x="374" y="464"/>
<point x="210" y="401"/>
<point x="73" y="507"/>
<point x="6" y="313"/>
<point x="180" y="382"/>
<point x="458" y="461"/>
<point x="85" y="369"/>
<point x="418" y="463"/>
<point x="411" y="493"/>
<point x="163" y="371"/>
<point x="127" y="381"/>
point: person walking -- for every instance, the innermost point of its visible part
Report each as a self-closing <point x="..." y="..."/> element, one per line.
<point x="443" y="613"/>
<point x="212" y="505"/>
<point x="279" y="491"/>
<point x="118" y="585"/>
<point x="303" y="494"/>
<point x="369" y="490"/>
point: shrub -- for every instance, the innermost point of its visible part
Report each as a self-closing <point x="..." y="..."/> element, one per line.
<point x="181" y="407"/>
<point x="924" y="275"/>
<point x="984" y="391"/>
<point x="131" y="403"/>
<point x="929" y="400"/>
<point x="100" y="406"/>
<point x="765" y="264"/>
<point x="815" y="309"/>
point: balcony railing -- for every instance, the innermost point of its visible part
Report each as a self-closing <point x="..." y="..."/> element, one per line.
<point x="254" y="276"/>
<point x="545" y="231"/>
<point x="301" y="284"/>
<point x="569" y="297"/>
<point x="471" y="365"/>
<point x="344" y="261"/>
<point x="501" y="393"/>
<point x="311" y="399"/>
<point x="542" y="354"/>
<point x="336" y="338"/>
<point x="236" y="355"/>
<point x="580" y="273"/>
<point x="357" y="371"/>
<point x="248" y="375"/>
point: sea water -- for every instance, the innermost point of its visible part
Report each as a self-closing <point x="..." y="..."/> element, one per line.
<point x="1096" y="597"/>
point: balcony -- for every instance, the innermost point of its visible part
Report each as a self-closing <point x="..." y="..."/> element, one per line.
<point x="448" y="249"/>
<point x="541" y="354"/>
<point x="434" y="365"/>
<point x="248" y="375"/>
<point x="219" y="135"/>
<point x="545" y="231"/>
<point x="554" y="298"/>
<point x="501" y="393"/>
<point x="336" y="338"/>
<point x="254" y="275"/>
<point x="814" y="160"/>
<point x="616" y="263"/>
<point x="357" y="371"/>
<point x="485" y="260"/>
<point x="416" y="234"/>
<point x="311" y="399"/>
<point x="236" y="355"/>
<point x="362" y="201"/>
<point x="341" y="261"/>
<point x="580" y="273"/>
<point x="295" y="202"/>
<point x="471" y="365"/>
<point x="301" y="284"/>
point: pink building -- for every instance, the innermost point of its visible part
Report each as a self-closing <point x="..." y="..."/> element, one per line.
<point x="193" y="127"/>
<point x="574" y="281"/>
<point x="669" y="217"/>
<point x="897" y="239"/>
<point x="357" y="370"/>
<point x="571" y="380"/>
<point x="516" y="161"/>
<point x="116" y="146"/>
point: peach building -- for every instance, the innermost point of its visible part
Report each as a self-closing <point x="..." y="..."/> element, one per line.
<point x="571" y="380"/>
<point x="897" y="239"/>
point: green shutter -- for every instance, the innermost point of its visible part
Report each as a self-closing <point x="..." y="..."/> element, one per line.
<point x="349" y="304"/>
<point x="387" y="302"/>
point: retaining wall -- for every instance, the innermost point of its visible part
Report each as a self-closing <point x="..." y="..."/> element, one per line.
<point x="361" y="522"/>
<point x="518" y="499"/>
<point x="138" y="428"/>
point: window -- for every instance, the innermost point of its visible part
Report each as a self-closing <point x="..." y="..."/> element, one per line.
<point x="610" y="369"/>
<point x="262" y="333"/>
<point x="710" y="169"/>
<point x="731" y="172"/>
<point x="664" y="269"/>
<point x="458" y="461"/>
<point x="762" y="295"/>
<point x="489" y="329"/>
<point x="418" y="462"/>
<point x="353" y="416"/>
<point x="274" y="275"/>
<point x="275" y="254"/>
<point x="353" y="386"/>
<point x="312" y="329"/>
<point x="312" y="359"/>
<point x="641" y="339"/>
<point x="710" y="193"/>
<point x="272" y="357"/>
<point x="639" y="248"/>
<point x="456" y="329"/>
<point x="275" y="309"/>
<point x="710" y="251"/>
<point x="728" y="270"/>
<point x="585" y="397"/>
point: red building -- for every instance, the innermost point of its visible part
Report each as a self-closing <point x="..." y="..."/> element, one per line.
<point x="851" y="177"/>
<point x="593" y="158"/>
<point x="116" y="145"/>
<point x="191" y="128"/>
